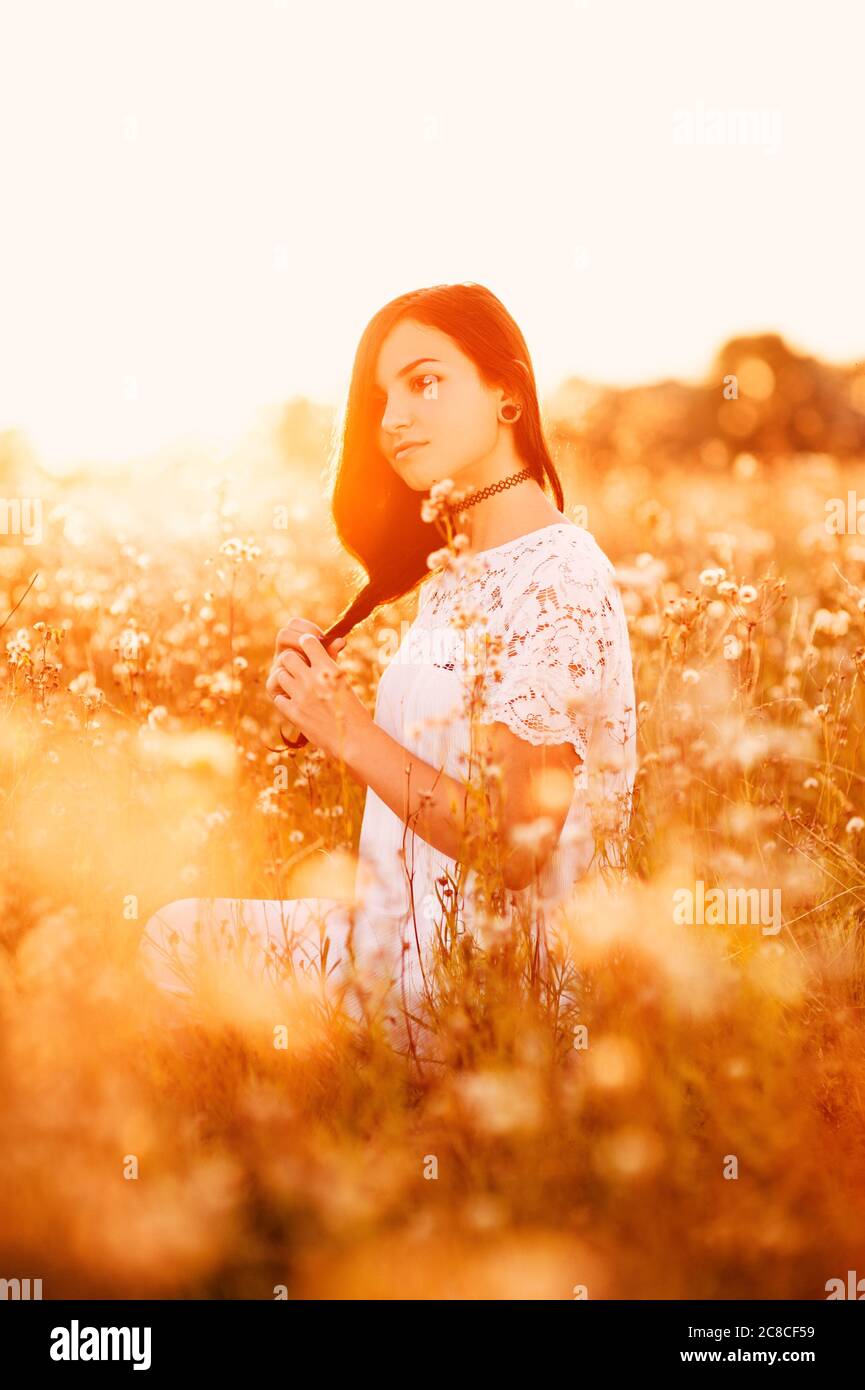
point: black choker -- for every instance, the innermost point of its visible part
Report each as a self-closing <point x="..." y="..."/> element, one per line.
<point x="500" y="486"/>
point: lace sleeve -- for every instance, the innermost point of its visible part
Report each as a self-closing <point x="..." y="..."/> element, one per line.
<point x="548" y="681"/>
<point x="425" y="591"/>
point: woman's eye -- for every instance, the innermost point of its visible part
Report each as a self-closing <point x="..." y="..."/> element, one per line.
<point x="379" y="401"/>
<point x="427" y="376"/>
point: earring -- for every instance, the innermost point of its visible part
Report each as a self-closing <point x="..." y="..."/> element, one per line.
<point x="510" y="418"/>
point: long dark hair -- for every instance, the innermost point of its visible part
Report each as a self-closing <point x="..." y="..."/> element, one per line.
<point x="377" y="515"/>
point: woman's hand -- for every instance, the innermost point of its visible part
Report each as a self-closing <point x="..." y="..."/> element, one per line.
<point x="289" y="636"/>
<point x="308" y="688"/>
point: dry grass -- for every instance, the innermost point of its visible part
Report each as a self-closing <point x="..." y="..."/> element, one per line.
<point x="135" y="770"/>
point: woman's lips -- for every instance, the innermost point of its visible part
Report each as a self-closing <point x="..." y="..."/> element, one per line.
<point x="408" y="449"/>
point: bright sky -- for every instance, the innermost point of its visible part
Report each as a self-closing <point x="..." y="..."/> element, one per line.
<point x="204" y="201"/>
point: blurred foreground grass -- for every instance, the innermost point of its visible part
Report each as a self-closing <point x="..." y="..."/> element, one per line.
<point x="135" y="769"/>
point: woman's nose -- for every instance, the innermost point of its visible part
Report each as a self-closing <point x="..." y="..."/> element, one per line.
<point x="393" y="419"/>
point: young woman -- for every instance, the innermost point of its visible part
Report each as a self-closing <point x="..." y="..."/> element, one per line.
<point x="502" y="748"/>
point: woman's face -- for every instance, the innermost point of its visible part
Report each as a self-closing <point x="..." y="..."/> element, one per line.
<point x="430" y="394"/>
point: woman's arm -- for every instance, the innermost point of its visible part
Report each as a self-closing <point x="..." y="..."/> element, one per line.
<point x="535" y="782"/>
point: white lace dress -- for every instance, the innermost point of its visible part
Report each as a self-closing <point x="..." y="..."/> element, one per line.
<point x="542" y="618"/>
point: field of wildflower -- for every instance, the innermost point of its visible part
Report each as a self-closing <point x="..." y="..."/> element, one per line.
<point x="693" y="1128"/>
